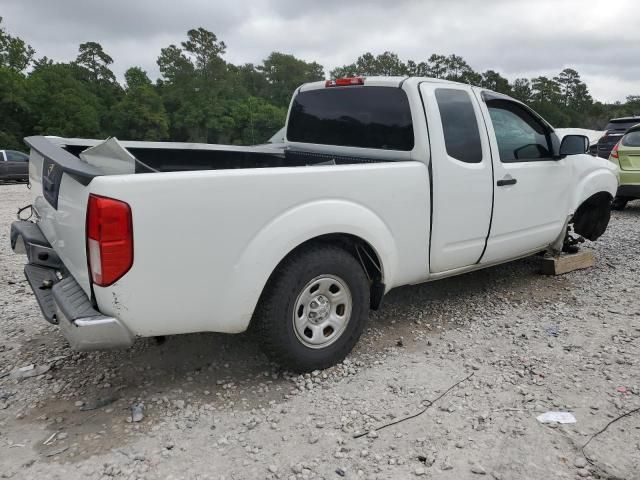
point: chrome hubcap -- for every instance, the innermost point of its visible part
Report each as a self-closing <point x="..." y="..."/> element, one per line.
<point x="322" y="311"/>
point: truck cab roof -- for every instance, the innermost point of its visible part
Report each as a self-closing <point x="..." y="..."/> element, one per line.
<point x="378" y="81"/>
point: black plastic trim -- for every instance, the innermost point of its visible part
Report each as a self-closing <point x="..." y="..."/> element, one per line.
<point x="41" y="280"/>
<point x="631" y="191"/>
<point x="30" y="233"/>
<point x="72" y="301"/>
<point x="70" y="164"/>
<point x="493" y="179"/>
<point x="36" y="247"/>
<point x="506" y="181"/>
<point x="488" y="95"/>
<point x="299" y="158"/>
<point x="430" y="170"/>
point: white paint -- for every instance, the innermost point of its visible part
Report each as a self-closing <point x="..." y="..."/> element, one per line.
<point x="206" y="242"/>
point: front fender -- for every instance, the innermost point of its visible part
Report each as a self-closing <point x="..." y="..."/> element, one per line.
<point x="294" y="227"/>
<point x="594" y="176"/>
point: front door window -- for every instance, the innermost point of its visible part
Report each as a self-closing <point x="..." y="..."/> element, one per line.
<point x="520" y="136"/>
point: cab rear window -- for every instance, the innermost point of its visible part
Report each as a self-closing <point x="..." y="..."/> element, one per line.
<point x="365" y="117"/>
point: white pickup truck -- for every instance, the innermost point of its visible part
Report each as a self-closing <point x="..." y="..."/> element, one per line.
<point x="380" y="182"/>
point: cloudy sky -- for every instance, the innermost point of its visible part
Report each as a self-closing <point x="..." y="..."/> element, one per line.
<point x="600" y="39"/>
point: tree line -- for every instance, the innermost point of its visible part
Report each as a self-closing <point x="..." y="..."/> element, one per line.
<point x="200" y="97"/>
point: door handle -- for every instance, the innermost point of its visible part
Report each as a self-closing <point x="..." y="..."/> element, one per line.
<point x="506" y="181"/>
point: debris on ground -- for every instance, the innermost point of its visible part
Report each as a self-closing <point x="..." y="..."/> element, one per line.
<point x="28" y="371"/>
<point x="137" y="414"/>
<point x="556" y="417"/>
<point x="98" y="403"/>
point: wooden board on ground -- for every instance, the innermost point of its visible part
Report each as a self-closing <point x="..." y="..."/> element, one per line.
<point x="567" y="262"/>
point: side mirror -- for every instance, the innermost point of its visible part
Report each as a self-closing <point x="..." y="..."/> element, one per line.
<point x="574" y="145"/>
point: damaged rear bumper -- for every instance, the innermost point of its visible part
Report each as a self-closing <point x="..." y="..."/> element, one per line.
<point x="61" y="299"/>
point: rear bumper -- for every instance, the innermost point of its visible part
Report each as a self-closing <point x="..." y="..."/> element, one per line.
<point x="61" y="299"/>
<point x="630" y="191"/>
<point x="93" y="333"/>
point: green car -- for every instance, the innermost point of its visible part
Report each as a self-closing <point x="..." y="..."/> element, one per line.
<point x="626" y="154"/>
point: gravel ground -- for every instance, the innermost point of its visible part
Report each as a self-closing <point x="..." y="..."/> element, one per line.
<point x="211" y="406"/>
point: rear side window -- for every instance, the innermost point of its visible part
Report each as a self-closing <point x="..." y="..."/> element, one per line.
<point x="16" y="156"/>
<point x="631" y="139"/>
<point x="365" y="117"/>
<point x="460" y="125"/>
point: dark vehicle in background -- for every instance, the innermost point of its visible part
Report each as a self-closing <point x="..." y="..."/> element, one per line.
<point x="14" y="166"/>
<point x="616" y="128"/>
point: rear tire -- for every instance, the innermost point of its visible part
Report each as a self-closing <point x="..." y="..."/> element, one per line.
<point x="313" y="309"/>
<point x="619" y="203"/>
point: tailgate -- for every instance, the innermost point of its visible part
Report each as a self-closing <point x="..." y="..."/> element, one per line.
<point x="629" y="159"/>
<point x="59" y="194"/>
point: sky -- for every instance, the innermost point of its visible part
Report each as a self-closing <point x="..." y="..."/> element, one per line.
<point x="518" y="38"/>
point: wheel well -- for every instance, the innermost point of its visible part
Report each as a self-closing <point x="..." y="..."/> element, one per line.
<point x="591" y="218"/>
<point x="362" y="251"/>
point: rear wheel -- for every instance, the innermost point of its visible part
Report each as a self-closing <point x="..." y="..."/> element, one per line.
<point x="619" y="203"/>
<point x="313" y="309"/>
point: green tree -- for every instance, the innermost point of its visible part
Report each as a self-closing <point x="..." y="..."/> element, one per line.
<point x="92" y="67"/>
<point x="247" y="80"/>
<point x="545" y="90"/>
<point x="140" y="114"/>
<point x="195" y="85"/>
<point x="14" y="52"/>
<point x="574" y="93"/>
<point x="203" y="46"/>
<point x="420" y="69"/>
<point x="174" y="65"/>
<point x="521" y="89"/>
<point x="458" y="70"/>
<point x="284" y="73"/>
<point x="546" y="99"/>
<point x="438" y="67"/>
<point x="136" y="77"/>
<point x="452" y="67"/>
<point x="252" y="120"/>
<point x="368" y="65"/>
<point x="201" y="97"/>
<point x="96" y="61"/>
<point x="496" y="82"/>
<point x="345" y="71"/>
<point x="14" y="110"/>
<point x="61" y="104"/>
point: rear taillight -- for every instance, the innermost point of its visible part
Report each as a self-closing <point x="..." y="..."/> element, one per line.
<point x="614" y="150"/>
<point x="344" y="82"/>
<point x="109" y="239"/>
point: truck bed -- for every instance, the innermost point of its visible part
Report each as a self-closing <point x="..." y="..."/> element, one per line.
<point x="176" y="156"/>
